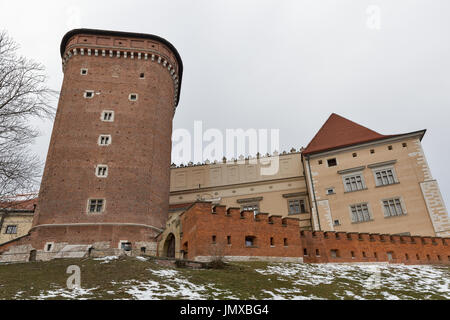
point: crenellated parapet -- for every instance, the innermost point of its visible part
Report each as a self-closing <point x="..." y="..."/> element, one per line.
<point x="125" y="45"/>
<point x="208" y="229"/>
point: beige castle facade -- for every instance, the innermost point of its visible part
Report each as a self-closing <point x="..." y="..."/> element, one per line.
<point x="372" y="184"/>
<point x="383" y="185"/>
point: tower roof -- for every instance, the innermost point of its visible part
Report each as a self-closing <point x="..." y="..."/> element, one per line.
<point x="338" y="132"/>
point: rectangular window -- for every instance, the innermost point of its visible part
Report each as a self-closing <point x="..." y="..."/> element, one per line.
<point x="334" y="253"/>
<point x="272" y="243"/>
<point x="104" y="140"/>
<point x="96" y="205"/>
<point x="83" y="71"/>
<point x="393" y="207"/>
<point x="101" y="171"/>
<point x="296" y="206"/>
<point x="12" y="229"/>
<point x="332" y="162"/>
<point x="385" y="177"/>
<point x="89" y="94"/>
<point x="133" y="97"/>
<point x="285" y="242"/>
<point x="251" y="207"/>
<point x="360" y="212"/>
<point x="249" y="241"/>
<point x="228" y="239"/>
<point x="107" y="116"/>
<point x="354" y="183"/>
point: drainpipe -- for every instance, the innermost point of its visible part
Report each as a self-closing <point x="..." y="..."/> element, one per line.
<point x="314" y="193"/>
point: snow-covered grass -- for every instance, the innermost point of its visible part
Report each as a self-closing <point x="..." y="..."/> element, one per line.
<point x="142" y="278"/>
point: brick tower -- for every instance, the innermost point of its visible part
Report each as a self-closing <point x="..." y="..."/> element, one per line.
<point x="106" y="178"/>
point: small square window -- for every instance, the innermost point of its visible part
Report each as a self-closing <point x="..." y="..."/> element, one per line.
<point x="89" y="94"/>
<point x="337" y="223"/>
<point x="104" y="140"/>
<point x="126" y="246"/>
<point x="320" y="161"/>
<point x="372" y="150"/>
<point x="249" y="241"/>
<point x="330" y="191"/>
<point x="332" y="162"/>
<point x="107" y="116"/>
<point x="389" y="147"/>
<point x="354" y="155"/>
<point x="96" y="205"/>
<point x="404" y="145"/>
<point x="142" y="75"/>
<point x="133" y="97"/>
<point x="334" y="253"/>
<point x="101" y="171"/>
<point x="84" y="71"/>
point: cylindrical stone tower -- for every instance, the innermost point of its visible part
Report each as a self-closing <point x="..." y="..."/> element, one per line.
<point x="106" y="178"/>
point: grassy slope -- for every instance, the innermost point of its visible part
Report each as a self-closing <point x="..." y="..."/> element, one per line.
<point x="131" y="278"/>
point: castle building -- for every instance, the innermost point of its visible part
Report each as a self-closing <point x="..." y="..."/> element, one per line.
<point x="106" y="178"/>
<point x="108" y="187"/>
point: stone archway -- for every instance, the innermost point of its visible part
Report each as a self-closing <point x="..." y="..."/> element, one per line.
<point x="169" y="246"/>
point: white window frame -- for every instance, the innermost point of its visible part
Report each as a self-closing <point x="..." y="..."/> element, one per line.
<point x="354" y="175"/>
<point x="102" y="117"/>
<point x="386" y="168"/>
<point x="104" y="136"/>
<point x="251" y="207"/>
<point x="396" y="202"/>
<point x="332" y="191"/>
<point x="356" y="205"/>
<point x="137" y="96"/>
<point x="89" y="91"/>
<point x="97" y="170"/>
<point x="96" y="212"/>
<point x="84" y="69"/>
<point x="52" y="246"/>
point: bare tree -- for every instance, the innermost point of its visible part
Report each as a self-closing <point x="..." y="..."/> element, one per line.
<point x="24" y="97"/>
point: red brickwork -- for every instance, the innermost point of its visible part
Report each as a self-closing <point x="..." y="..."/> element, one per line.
<point x="136" y="189"/>
<point x="201" y="222"/>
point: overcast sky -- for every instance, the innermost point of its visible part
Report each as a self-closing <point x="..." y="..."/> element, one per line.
<point x="277" y="64"/>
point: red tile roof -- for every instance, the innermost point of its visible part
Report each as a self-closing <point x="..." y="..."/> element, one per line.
<point x="28" y="204"/>
<point x="338" y="132"/>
